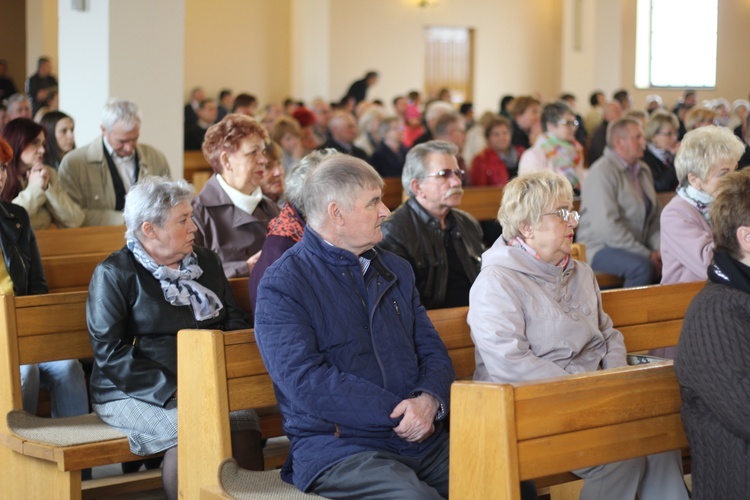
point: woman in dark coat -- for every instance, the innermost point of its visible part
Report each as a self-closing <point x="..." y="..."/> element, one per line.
<point x="139" y="298"/>
<point x="713" y="355"/>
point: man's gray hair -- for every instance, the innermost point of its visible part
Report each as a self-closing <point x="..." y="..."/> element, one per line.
<point x="340" y="178"/>
<point x="619" y="128"/>
<point x="151" y="200"/>
<point x="120" y="111"/>
<point x="295" y="181"/>
<point x="415" y="158"/>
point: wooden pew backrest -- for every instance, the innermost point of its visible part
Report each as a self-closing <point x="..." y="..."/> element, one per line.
<point x="650" y="317"/>
<point x="503" y="433"/>
<point x="80" y="240"/>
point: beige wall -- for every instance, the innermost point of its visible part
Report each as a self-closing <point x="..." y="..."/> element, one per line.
<point x="516" y="45"/>
<point x="13" y="40"/>
<point x="249" y="45"/>
<point x="243" y="45"/>
<point x="41" y="33"/>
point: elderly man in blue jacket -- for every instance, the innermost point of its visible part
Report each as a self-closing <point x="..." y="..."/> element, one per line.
<point x="361" y="376"/>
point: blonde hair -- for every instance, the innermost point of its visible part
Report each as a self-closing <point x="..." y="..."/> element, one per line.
<point x="526" y="198"/>
<point x="703" y="148"/>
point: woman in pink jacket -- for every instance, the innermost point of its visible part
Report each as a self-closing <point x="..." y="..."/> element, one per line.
<point x="687" y="246"/>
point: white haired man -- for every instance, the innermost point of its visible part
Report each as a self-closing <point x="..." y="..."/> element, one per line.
<point x="361" y="376"/>
<point x="98" y="175"/>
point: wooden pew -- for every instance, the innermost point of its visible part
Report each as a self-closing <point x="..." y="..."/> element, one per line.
<point x="69" y="256"/>
<point x="482" y="202"/>
<point x="224" y="372"/>
<point x="504" y="433"/>
<point x="393" y="192"/>
<point x="193" y="163"/>
<point x="80" y="240"/>
<point x="48" y="328"/>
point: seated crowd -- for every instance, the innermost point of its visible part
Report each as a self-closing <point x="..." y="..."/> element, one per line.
<point x="339" y="286"/>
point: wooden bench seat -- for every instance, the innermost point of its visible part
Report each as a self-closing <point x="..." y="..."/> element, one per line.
<point x="49" y="328"/>
<point x="504" y="433"/>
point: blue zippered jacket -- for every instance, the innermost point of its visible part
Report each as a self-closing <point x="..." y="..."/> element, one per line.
<point x="343" y="350"/>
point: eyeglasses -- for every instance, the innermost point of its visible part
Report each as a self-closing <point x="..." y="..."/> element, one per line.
<point x="565" y="214"/>
<point x="448" y="174"/>
<point x="671" y="133"/>
<point x="569" y="123"/>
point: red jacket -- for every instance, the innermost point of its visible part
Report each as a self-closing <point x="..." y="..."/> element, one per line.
<point x="487" y="169"/>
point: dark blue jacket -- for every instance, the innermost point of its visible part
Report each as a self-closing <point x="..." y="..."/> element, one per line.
<point x="343" y="350"/>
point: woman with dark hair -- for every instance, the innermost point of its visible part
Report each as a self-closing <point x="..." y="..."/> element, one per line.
<point x="231" y="212"/>
<point x="60" y="137"/>
<point x="31" y="183"/>
<point x="21" y="273"/>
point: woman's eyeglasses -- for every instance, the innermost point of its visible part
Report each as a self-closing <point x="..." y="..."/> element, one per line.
<point x="448" y="174"/>
<point x="565" y="214"/>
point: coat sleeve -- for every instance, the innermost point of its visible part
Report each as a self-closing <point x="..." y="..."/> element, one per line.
<point x="616" y="351"/>
<point x="603" y="212"/>
<point x="287" y="339"/>
<point x="685" y="240"/>
<point x="37" y="281"/>
<point x="115" y="352"/>
<point x="436" y="373"/>
<point x="65" y="212"/>
<point x="70" y="183"/>
<point x="498" y="329"/>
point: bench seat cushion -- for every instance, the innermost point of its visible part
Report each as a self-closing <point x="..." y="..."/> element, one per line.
<point x="65" y="431"/>
<point x="251" y="485"/>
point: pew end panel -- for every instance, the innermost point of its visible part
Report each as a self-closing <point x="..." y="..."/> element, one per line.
<point x="38" y="328"/>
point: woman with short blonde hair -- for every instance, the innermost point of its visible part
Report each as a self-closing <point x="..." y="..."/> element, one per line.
<point x="535" y="313"/>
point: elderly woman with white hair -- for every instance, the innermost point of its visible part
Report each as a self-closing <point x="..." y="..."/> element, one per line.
<point x="706" y="155"/>
<point x="139" y="298"/>
<point x="535" y="313"/>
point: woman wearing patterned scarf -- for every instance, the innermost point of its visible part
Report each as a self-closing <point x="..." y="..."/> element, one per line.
<point x="713" y="354"/>
<point x="139" y="298"/>
<point x="705" y="156"/>
<point x="556" y="149"/>
<point x="535" y="313"/>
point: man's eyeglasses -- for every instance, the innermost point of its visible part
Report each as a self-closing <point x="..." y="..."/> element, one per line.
<point x="565" y="214"/>
<point x="569" y="123"/>
<point x="448" y="174"/>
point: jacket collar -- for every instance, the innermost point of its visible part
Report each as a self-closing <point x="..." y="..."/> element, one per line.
<point x="95" y="155"/>
<point x="213" y="195"/>
<point x="427" y="218"/>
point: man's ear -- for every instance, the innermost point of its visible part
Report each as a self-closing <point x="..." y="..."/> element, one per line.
<point x="415" y="187"/>
<point x="743" y="238"/>
<point x="335" y="213"/>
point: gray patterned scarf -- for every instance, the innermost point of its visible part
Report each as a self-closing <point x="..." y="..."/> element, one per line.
<point x="179" y="285"/>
